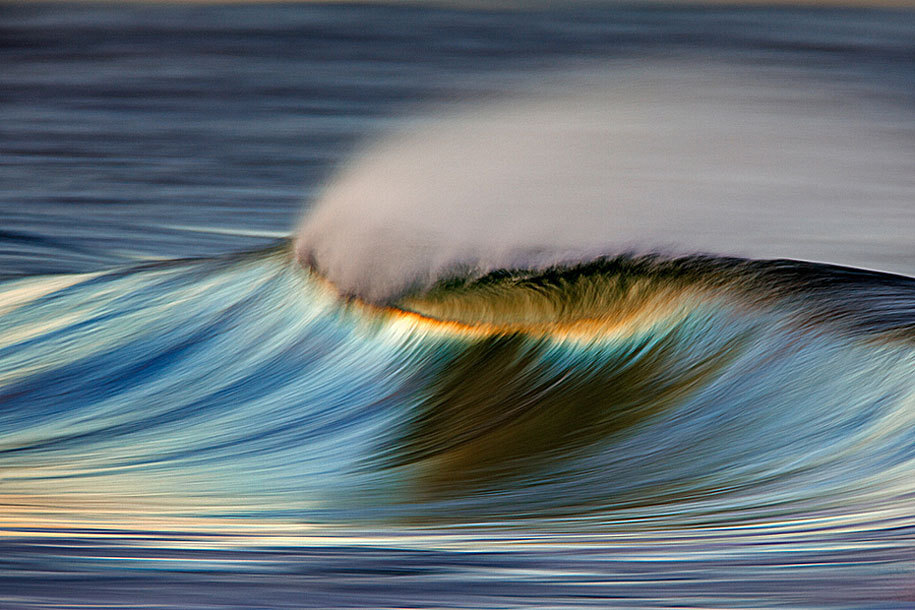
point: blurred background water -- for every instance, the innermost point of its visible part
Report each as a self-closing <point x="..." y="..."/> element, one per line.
<point x="193" y="435"/>
<point x="148" y="132"/>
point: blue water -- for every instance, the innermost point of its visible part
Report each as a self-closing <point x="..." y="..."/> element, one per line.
<point x="190" y="418"/>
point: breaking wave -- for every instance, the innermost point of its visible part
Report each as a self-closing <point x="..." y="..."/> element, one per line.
<point x="466" y="336"/>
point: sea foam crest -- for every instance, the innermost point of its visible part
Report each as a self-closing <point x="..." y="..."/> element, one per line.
<point x="671" y="159"/>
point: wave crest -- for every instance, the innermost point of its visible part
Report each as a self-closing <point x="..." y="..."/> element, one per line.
<point x="665" y="159"/>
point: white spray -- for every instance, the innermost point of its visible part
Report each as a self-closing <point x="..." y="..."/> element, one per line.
<point x="663" y="159"/>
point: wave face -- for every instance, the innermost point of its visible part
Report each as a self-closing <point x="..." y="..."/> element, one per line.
<point x="233" y="420"/>
<point x="649" y="391"/>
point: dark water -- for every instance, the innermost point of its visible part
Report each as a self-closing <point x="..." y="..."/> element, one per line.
<point x="188" y="418"/>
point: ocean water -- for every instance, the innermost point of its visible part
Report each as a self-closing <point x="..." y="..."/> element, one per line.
<point x="356" y="306"/>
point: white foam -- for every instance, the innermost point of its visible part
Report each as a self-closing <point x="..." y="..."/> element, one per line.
<point x="665" y="157"/>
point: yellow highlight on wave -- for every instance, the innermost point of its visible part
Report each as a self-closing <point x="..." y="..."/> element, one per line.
<point x="593" y="309"/>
